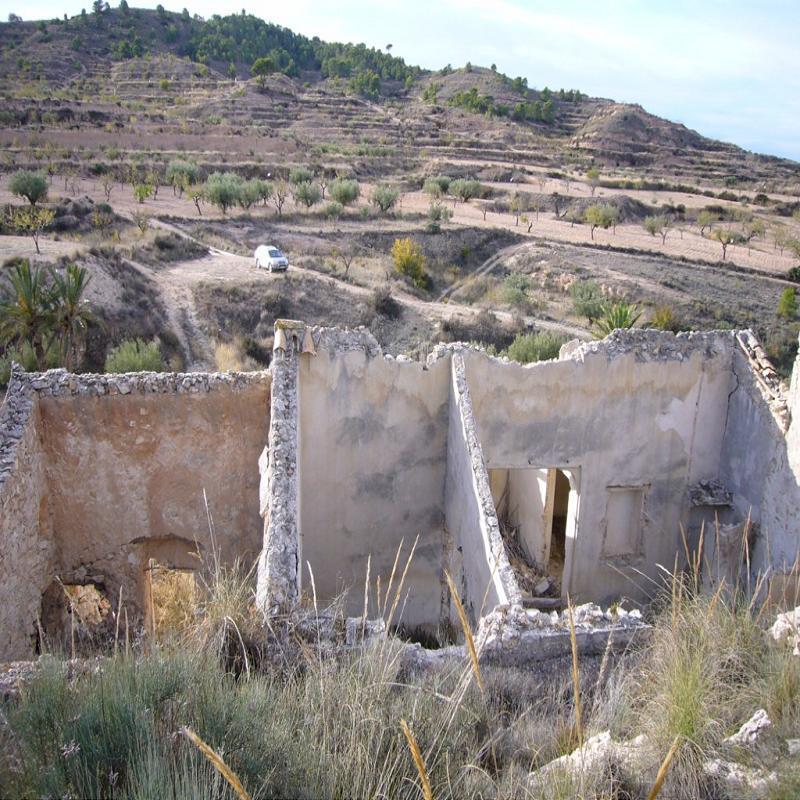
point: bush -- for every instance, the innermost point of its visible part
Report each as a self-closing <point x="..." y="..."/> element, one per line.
<point x="465" y="190"/>
<point x="307" y="194"/>
<point x="539" y="346"/>
<point x="30" y="185"/>
<point x="615" y="316"/>
<point x="794" y="275"/>
<point x="587" y="301"/>
<point x="300" y="175"/>
<point x="437" y="185"/>
<point x="484" y="328"/>
<point x="384" y="303"/>
<point x="333" y="210"/>
<point x="515" y="290"/>
<point x="384" y="197"/>
<point x="409" y="260"/>
<point x="437" y="216"/>
<point x="224" y="189"/>
<point x="135" y="355"/>
<point x="664" y="319"/>
<point x="344" y="191"/>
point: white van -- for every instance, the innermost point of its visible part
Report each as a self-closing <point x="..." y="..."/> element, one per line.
<point x="269" y="257"/>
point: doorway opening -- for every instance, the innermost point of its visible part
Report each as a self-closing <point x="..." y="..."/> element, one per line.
<point x="537" y="512"/>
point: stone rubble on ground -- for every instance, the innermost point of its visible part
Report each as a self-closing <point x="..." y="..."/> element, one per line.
<point x="599" y="757"/>
<point x="740" y="782"/>
<point x="786" y="628"/>
<point x="752" y="732"/>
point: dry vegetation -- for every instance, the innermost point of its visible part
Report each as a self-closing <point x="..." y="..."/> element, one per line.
<point x="282" y="711"/>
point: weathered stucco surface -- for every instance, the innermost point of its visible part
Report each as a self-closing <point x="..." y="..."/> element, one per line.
<point x="640" y="410"/>
<point x="486" y="576"/>
<point x="342" y="453"/>
<point x="113" y="473"/>
<point x="761" y="459"/>
<point x="373" y="448"/>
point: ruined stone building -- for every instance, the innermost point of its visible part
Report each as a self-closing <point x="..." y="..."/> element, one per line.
<point x="527" y="483"/>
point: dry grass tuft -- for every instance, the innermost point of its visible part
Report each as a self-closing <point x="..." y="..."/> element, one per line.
<point x="218" y="763"/>
<point x="427" y="793"/>
<point x="470" y="641"/>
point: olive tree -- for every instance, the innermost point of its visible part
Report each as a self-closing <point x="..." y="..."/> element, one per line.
<point x="224" y="189"/>
<point x="660" y="225"/>
<point x="307" y="193"/>
<point x="344" y="191"/>
<point x="384" y="197"/>
<point x="601" y="215"/>
<point x="30" y="185"/>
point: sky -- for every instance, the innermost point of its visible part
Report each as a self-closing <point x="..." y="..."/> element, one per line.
<point x="730" y="70"/>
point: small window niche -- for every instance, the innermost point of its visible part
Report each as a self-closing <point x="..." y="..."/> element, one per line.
<point x="624" y="521"/>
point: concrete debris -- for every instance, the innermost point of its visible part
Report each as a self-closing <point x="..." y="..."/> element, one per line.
<point x="513" y="635"/>
<point x="793" y="746"/>
<point x="357" y="631"/>
<point x="752" y="732"/>
<point x="710" y="493"/>
<point x="598" y="760"/>
<point x="741" y="782"/>
<point x="786" y="628"/>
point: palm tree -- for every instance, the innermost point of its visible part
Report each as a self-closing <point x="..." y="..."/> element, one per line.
<point x="72" y="316"/>
<point x="617" y="315"/>
<point x="27" y="317"/>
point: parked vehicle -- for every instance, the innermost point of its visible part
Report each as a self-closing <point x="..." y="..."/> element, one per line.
<point x="269" y="257"/>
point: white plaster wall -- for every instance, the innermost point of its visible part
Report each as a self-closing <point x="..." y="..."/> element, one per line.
<point x="373" y="438"/>
<point x="623" y="419"/>
<point x="26" y="547"/>
<point x="485" y="580"/>
<point x="761" y="466"/>
<point x="527" y="500"/>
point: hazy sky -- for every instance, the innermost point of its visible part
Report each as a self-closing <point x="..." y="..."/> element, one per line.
<point x="730" y="70"/>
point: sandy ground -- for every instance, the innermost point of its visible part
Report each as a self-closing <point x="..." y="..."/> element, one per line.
<point x="761" y="255"/>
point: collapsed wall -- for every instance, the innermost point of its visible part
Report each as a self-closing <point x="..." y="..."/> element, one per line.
<point x="615" y="447"/>
<point x="110" y="471"/>
<point x="527" y="484"/>
<point x="633" y="422"/>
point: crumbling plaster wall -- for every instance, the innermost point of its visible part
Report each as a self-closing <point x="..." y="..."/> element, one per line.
<point x="486" y="577"/>
<point x="761" y="456"/>
<point x="637" y="409"/>
<point x="26" y="546"/>
<point x="125" y="460"/>
<point x="372" y="457"/>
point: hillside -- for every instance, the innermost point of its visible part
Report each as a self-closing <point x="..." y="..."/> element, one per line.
<point x="181" y="72"/>
<point x="107" y="104"/>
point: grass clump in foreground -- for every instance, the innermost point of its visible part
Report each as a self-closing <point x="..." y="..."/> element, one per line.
<point x="296" y="720"/>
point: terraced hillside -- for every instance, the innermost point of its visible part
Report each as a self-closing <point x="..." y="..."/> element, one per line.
<point x="697" y="233"/>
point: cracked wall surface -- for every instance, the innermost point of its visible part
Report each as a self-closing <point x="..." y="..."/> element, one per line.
<point x="641" y="410"/>
<point x="119" y="465"/>
<point x="340" y="453"/>
<point x="372" y="458"/>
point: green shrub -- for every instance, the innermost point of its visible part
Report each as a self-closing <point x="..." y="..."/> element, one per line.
<point x="587" y="301"/>
<point x="135" y="355"/>
<point x="30" y="185"/>
<point x="344" y="191"/>
<point x="384" y="197"/>
<point x="539" y="346"/>
<point x="300" y="175"/>
<point x="437" y="185"/>
<point x="615" y="316"/>
<point x="515" y="290"/>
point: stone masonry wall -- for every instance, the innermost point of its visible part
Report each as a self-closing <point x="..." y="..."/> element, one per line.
<point x="26" y="546"/>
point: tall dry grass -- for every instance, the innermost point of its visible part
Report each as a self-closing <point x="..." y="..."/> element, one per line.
<point x="316" y="723"/>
